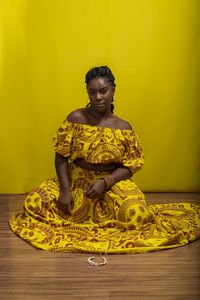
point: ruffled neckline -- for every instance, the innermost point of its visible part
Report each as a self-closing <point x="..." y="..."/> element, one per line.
<point x="99" y="127"/>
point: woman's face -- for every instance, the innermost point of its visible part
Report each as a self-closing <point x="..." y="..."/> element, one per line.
<point x="100" y="93"/>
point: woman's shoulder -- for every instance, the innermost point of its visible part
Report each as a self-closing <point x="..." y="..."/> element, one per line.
<point x="79" y="116"/>
<point x="122" y="124"/>
<point x="76" y="116"/>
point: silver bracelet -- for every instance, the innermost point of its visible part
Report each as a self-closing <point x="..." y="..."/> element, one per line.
<point x="96" y="263"/>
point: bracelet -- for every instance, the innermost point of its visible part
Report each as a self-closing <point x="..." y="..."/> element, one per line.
<point x="109" y="180"/>
<point x="96" y="263"/>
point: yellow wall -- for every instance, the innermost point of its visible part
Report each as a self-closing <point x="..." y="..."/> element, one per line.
<point x="152" y="47"/>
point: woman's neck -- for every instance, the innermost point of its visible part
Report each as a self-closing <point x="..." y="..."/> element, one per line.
<point x="104" y="115"/>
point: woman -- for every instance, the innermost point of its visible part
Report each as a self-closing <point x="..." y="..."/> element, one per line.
<point x="94" y="205"/>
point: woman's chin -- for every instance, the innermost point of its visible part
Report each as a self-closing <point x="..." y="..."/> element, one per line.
<point x="101" y="107"/>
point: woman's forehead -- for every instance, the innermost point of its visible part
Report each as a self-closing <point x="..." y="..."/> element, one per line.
<point x="98" y="83"/>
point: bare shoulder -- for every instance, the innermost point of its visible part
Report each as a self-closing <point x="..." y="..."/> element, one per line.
<point x="76" y="116"/>
<point x="123" y="124"/>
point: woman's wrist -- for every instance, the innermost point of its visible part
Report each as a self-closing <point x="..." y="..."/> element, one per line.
<point x="105" y="185"/>
<point x="109" y="181"/>
<point x="65" y="189"/>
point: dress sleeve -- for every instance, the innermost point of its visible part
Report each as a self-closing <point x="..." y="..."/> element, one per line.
<point x="133" y="156"/>
<point x="63" y="139"/>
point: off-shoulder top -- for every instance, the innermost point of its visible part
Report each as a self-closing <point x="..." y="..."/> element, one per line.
<point x="99" y="145"/>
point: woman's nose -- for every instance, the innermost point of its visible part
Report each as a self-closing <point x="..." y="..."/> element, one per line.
<point x="98" y="96"/>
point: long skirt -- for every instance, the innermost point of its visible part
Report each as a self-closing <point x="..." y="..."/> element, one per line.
<point x="119" y="221"/>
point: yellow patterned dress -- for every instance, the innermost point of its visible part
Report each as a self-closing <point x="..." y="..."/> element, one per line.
<point x="117" y="222"/>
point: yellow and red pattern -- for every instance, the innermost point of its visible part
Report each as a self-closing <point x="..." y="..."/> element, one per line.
<point x="117" y="222"/>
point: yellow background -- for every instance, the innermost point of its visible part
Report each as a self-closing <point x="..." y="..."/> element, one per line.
<point x="152" y="47"/>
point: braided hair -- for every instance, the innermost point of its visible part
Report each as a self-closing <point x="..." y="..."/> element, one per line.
<point x="97" y="72"/>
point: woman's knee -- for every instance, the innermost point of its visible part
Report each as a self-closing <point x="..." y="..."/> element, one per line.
<point x="134" y="211"/>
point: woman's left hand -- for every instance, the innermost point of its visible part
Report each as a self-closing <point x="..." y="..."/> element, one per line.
<point x="96" y="188"/>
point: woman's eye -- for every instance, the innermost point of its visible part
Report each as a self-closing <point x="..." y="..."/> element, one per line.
<point x="93" y="93"/>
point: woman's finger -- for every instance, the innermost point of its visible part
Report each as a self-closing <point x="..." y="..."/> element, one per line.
<point x="67" y="211"/>
<point x="72" y="204"/>
<point x="89" y="187"/>
<point x="63" y="208"/>
<point x="92" y="194"/>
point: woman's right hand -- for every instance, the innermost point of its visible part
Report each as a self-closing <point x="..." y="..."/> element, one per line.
<point x="65" y="202"/>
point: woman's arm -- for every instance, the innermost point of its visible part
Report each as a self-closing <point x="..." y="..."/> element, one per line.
<point x="99" y="187"/>
<point x="121" y="173"/>
<point x="65" y="200"/>
<point x="61" y="164"/>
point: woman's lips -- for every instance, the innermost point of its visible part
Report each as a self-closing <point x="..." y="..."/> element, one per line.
<point x="100" y="104"/>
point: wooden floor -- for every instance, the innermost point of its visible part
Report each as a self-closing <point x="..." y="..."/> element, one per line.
<point x="29" y="273"/>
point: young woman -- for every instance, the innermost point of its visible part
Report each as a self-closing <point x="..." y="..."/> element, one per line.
<point x="93" y="204"/>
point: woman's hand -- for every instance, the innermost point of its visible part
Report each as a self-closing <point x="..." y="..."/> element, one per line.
<point x="65" y="202"/>
<point x="96" y="188"/>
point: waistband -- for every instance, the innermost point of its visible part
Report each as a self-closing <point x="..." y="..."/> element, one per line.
<point x="110" y="167"/>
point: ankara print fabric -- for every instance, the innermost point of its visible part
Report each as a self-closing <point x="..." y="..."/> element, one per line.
<point x="117" y="222"/>
<point x="99" y="145"/>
